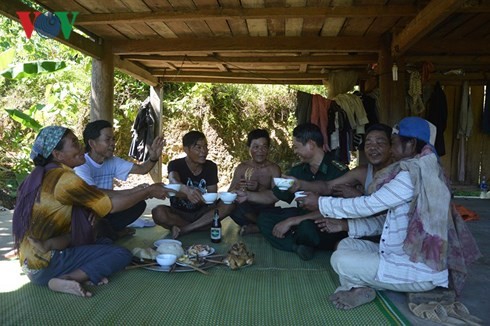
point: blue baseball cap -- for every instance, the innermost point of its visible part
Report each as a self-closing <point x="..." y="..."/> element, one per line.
<point x="415" y="127"/>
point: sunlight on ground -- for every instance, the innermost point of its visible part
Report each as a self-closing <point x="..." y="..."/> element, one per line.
<point x="12" y="276"/>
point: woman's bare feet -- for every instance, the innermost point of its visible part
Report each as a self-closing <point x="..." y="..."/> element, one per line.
<point x="12" y="254"/>
<point x="68" y="286"/>
<point x="103" y="281"/>
<point x="353" y="298"/>
<point x="39" y="245"/>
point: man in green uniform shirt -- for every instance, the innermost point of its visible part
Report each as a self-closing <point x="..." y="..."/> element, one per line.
<point x="304" y="237"/>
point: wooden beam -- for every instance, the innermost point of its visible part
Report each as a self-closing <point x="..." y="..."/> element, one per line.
<point x="247" y="13"/>
<point x="76" y="41"/>
<point x="447" y="60"/>
<point x="248" y="44"/>
<point x="425" y="21"/>
<point x="135" y="71"/>
<point x="241" y="75"/>
<point x="272" y="60"/>
<point x="204" y="79"/>
<point x="450" y="46"/>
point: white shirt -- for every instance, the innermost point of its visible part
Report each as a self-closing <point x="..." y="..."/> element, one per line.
<point x="102" y="175"/>
<point x="395" y="196"/>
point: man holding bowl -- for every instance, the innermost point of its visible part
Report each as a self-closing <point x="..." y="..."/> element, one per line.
<point x="315" y="165"/>
<point x="188" y="210"/>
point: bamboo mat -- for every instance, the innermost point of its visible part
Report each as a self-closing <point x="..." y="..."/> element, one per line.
<point x="279" y="289"/>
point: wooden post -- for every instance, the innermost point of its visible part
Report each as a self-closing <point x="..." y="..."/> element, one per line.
<point x="385" y="64"/>
<point x="102" y="87"/>
<point x="156" y="96"/>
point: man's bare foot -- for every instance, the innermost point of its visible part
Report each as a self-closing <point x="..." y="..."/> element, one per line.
<point x="39" y="245"/>
<point x="103" y="281"/>
<point x="249" y="229"/>
<point x="68" y="286"/>
<point x="175" y="232"/>
<point x="353" y="298"/>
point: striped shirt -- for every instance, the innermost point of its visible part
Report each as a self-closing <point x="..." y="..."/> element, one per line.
<point x="394" y="197"/>
<point x="102" y="175"/>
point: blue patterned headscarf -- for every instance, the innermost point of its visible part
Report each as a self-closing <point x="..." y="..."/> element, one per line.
<point x="47" y="139"/>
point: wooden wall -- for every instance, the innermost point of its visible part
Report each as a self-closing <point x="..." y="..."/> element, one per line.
<point x="477" y="157"/>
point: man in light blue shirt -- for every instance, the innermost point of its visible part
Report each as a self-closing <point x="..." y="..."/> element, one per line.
<point x="102" y="167"/>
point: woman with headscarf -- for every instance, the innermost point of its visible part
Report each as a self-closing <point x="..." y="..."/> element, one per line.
<point x="54" y="202"/>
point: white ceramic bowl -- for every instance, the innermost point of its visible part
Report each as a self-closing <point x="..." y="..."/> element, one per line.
<point x="283" y="183"/>
<point x="173" y="186"/>
<point x="210" y="197"/>
<point x="167" y="241"/>
<point x="227" y="197"/>
<point x="166" y="260"/>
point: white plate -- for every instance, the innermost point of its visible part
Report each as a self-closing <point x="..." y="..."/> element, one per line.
<point x="211" y="251"/>
<point x="187" y="265"/>
<point x="159" y="242"/>
<point x="158" y="268"/>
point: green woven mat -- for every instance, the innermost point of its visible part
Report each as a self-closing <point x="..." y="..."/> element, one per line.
<point x="279" y="289"/>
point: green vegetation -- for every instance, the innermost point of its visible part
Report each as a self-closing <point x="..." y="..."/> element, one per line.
<point x="51" y="85"/>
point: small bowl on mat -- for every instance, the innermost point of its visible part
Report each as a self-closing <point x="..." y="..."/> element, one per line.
<point x="166" y="260"/>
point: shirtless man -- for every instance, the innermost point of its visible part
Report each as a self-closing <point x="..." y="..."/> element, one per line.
<point x="255" y="175"/>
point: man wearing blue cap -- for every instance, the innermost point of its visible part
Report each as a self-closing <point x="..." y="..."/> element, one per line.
<point x="424" y="243"/>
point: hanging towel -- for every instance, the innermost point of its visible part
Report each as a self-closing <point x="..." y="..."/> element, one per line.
<point x="303" y="107"/>
<point x="319" y="116"/>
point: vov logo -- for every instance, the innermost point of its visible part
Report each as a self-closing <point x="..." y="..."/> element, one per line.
<point x="49" y="24"/>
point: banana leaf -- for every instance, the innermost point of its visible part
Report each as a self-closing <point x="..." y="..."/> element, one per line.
<point x="28" y="69"/>
<point x="24" y="119"/>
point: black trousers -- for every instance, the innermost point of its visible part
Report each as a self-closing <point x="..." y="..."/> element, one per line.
<point x="120" y="220"/>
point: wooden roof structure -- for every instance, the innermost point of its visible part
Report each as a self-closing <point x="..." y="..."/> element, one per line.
<point x="276" y="41"/>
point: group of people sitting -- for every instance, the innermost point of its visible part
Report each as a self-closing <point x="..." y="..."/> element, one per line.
<point x="67" y="214"/>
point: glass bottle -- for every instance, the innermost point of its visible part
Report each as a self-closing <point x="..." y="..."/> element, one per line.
<point x="483" y="187"/>
<point x="216" y="228"/>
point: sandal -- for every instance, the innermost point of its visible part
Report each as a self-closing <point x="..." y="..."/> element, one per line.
<point x="459" y="311"/>
<point x="431" y="311"/>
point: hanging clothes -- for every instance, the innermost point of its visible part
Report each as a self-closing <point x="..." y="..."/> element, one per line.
<point x="437" y="114"/>
<point x="303" y="107"/>
<point x="464" y="128"/>
<point x="319" y="116"/>
<point x="143" y="131"/>
<point x="371" y="109"/>
<point x="416" y="104"/>
<point x="340" y="133"/>
<point x="352" y="105"/>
